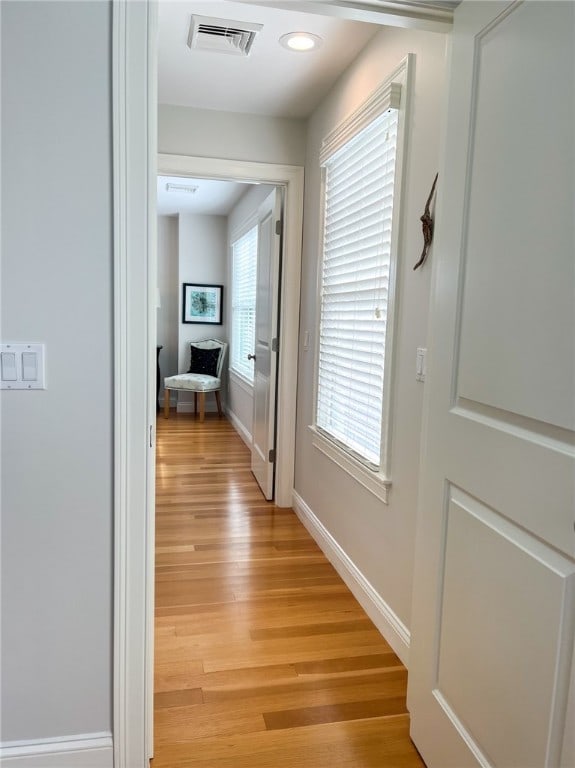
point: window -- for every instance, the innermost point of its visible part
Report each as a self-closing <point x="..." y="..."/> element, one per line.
<point x="244" y="273"/>
<point x="359" y="164"/>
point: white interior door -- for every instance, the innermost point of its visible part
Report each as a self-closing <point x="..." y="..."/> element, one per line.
<point x="491" y="675"/>
<point x="265" y="360"/>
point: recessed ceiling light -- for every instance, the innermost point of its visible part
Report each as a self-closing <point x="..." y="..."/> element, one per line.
<point x="300" y="41"/>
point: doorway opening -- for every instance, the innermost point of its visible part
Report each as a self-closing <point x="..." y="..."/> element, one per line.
<point x="135" y="290"/>
<point x="287" y="181"/>
<point x="222" y="239"/>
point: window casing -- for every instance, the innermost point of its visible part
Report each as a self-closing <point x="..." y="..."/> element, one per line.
<point x="361" y="168"/>
<point x="244" y="275"/>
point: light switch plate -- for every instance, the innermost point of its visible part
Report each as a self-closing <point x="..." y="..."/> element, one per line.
<point x="22" y="366"/>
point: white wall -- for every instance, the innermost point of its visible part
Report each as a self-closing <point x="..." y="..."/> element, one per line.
<point x="57" y="443"/>
<point x="169" y="291"/>
<point x="209" y="133"/>
<point x="203" y="259"/>
<point x="240" y="393"/>
<point x="379" y="539"/>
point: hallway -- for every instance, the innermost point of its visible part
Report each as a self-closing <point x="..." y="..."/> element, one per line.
<point x="264" y="659"/>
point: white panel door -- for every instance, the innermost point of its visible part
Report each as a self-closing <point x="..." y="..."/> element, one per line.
<point x="491" y="678"/>
<point x="265" y="360"/>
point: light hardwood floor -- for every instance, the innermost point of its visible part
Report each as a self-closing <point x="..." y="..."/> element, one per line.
<point x="263" y="657"/>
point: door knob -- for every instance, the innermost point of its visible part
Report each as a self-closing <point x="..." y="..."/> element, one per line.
<point x="251" y="357"/>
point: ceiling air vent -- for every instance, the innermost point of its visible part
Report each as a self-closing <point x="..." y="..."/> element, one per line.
<point x="222" y="35"/>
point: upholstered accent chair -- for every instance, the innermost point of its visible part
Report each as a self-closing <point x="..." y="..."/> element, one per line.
<point x="204" y="375"/>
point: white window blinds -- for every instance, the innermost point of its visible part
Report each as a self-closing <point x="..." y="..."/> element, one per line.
<point x="244" y="267"/>
<point x="359" y="185"/>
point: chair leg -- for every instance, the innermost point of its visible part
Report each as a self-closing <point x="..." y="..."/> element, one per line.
<point x="219" y="403"/>
<point x="166" y="403"/>
<point x="202" y="404"/>
<point x="195" y="403"/>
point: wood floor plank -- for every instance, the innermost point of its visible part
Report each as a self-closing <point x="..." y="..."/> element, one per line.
<point x="264" y="659"/>
<point x="181" y="698"/>
<point x="302" y="621"/>
<point x="166" y="676"/>
<point x="289" y="694"/>
<point x="346" y="664"/>
<point x="169" y="676"/>
<point x="217" y="660"/>
<point x="370" y="743"/>
<point x="332" y="713"/>
<point x="309" y="630"/>
<point x="198" y="722"/>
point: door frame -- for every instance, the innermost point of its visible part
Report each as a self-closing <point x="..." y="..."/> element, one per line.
<point x="134" y="138"/>
<point x="134" y="132"/>
<point x="291" y="178"/>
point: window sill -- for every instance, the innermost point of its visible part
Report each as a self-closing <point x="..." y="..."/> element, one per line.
<point x="374" y="482"/>
<point x="241" y="381"/>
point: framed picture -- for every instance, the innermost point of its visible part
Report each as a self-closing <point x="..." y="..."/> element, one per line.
<point x="202" y="303"/>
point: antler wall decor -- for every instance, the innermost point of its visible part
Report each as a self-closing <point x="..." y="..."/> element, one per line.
<point x="427" y="226"/>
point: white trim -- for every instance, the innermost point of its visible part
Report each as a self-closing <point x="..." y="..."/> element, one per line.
<point x="187" y="406"/>
<point x="240" y="428"/>
<point x="244" y="227"/>
<point x="382" y="615"/>
<point x="90" y="750"/>
<point x="408" y="14"/>
<point x="372" y="480"/>
<point x="149" y="575"/>
<point x="291" y="177"/>
<point x="387" y="96"/>
<point x="241" y="381"/>
<point x="402" y="76"/>
<point x="134" y="120"/>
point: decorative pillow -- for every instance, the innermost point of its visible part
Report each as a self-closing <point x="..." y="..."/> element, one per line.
<point x="204" y="361"/>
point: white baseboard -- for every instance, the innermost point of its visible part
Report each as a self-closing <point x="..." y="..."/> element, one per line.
<point x="186" y="407"/>
<point x="384" y="618"/>
<point x="91" y="750"/>
<point x="240" y="429"/>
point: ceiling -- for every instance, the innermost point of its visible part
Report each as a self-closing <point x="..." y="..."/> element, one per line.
<point x="214" y="198"/>
<point x="271" y="80"/>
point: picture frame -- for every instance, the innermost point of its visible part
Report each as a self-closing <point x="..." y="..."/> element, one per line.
<point x="202" y="303"/>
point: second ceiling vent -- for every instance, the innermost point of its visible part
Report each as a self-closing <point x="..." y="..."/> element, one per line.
<point x="222" y="35"/>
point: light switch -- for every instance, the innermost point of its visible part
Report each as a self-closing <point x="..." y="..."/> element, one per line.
<point x="306" y="341"/>
<point x="9" y="372"/>
<point x="22" y="366"/>
<point x="420" y="364"/>
<point x="29" y="366"/>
